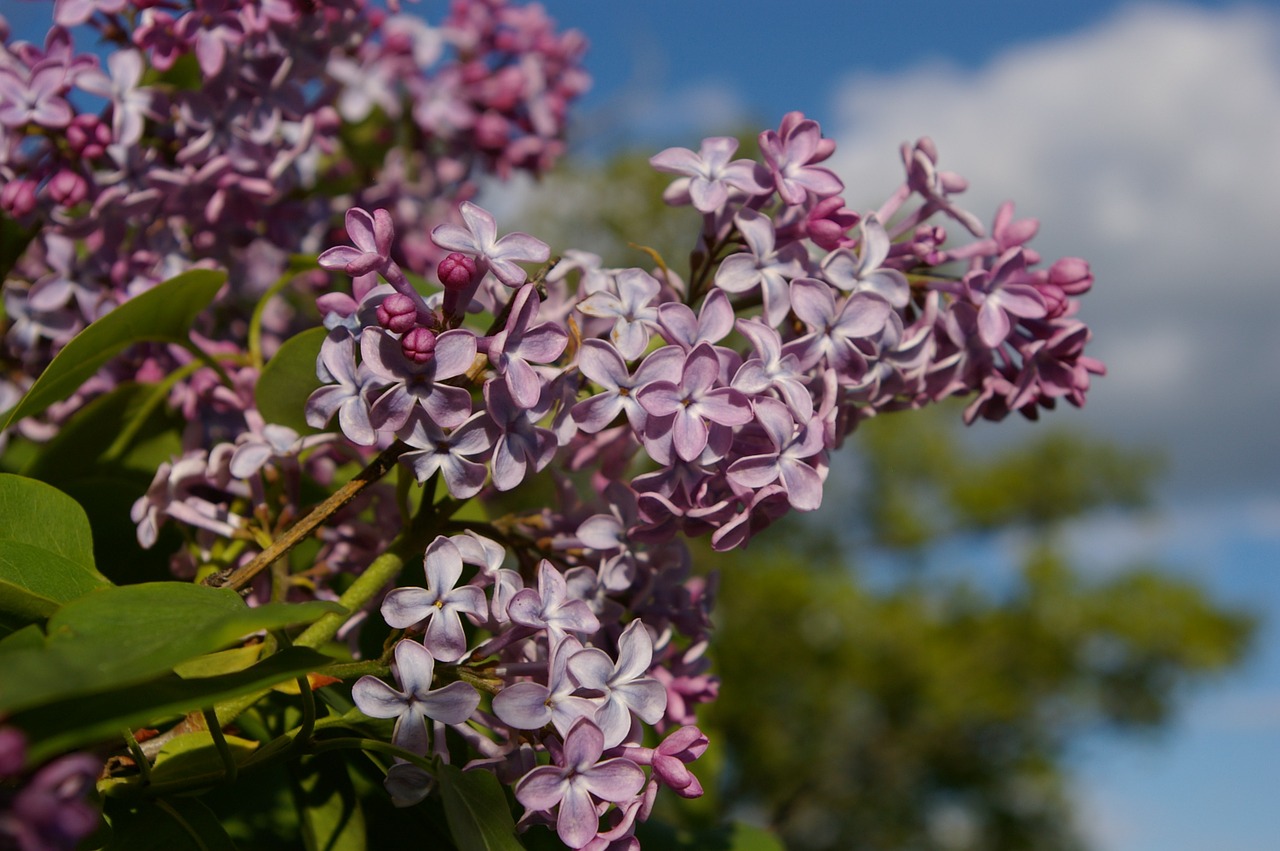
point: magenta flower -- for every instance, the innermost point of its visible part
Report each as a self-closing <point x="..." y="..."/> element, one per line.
<point x="1001" y="293"/>
<point x="440" y="605"/>
<point x="695" y="402"/>
<point x="708" y="174"/>
<point x="412" y="706"/>
<point x="479" y="238"/>
<point x="573" y="786"/>
<point x="866" y="272"/>
<point x="836" y="330"/>
<point x="521" y="447"/>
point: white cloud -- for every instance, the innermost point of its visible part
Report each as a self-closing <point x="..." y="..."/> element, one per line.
<point x="1148" y="145"/>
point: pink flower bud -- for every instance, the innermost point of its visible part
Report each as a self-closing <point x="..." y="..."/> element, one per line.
<point x="88" y="136"/>
<point x="398" y="313"/>
<point x="419" y="345"/>
<point x="18" y="198"/>
<point x="1072" y="275"/>
<point x="492" y="130"/>
<point x="67" y="188"/>
<point x="456" y="271"/>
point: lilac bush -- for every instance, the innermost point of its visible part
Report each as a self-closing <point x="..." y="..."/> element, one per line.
<point x="558" y="430"/>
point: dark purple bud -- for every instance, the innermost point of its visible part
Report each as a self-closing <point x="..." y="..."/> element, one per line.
<point x="13" y="751"/>
<point x="398" y="313"/>
<point x="68" y="188"/>
<point x="456" y="271"/>
<point x="419" y="345"/>
<point x="18" y="198"/>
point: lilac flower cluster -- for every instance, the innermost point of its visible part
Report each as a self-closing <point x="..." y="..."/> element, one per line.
<point x="235" y="134"/>
<point x="680" y="408"/>
<point x="584" y="705"/>
<point x="48" y="809"/>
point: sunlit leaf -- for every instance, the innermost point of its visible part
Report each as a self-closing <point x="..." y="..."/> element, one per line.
<point x="193" y="755"/>
<point x="71" y="722"/>
<point x="46" y="551"/>
<point x="289" y="378"/>
<point x="163" y="313"/>
<point x="129" y="634"/>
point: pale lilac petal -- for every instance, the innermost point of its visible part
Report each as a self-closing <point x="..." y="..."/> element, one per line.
<point x="542" y="788"/>
<point x="455" y="353"/>
<point x="803" y="484"/>
<point x="404" y="607"/>
<point x="615" y="780"/>
<point x="591" y="668"/>
<point x="754" y="471"/>
<point x="443" y="565"/>
<point x="445" y="637"/>
<point x="577" y="822"/>
<point x="635" y="651"/>
<point x="645" y="697"/>
<point x="689" y="435"/>
<point x="415" y="667"/>
<point x="523" y="706"/>
<point x="376" y="699"/>
<point x="451" y="704"/>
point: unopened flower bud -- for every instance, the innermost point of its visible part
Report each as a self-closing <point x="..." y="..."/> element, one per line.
<point x="18" y="197"/>
<point x="68" y="188"/>
<point x="1072" y="275"/>
<point x="491" y="130"/>
<point x="419" y="345"/>
<point x="88" y="136"/>
<point x="456" y="271"/>
<point x="398" y="313"/>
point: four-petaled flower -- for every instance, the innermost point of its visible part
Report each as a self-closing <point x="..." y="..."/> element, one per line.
<point x="411" y="707"/>
<point x="440" y="604"/>
<point x="577" y="781"/>
<point x="480" y="239"/>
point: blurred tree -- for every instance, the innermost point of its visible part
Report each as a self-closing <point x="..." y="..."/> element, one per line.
<point x="926" y="711"/>
<point x="937" y="713"/>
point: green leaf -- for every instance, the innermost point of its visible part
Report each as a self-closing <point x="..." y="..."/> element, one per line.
<point x="46" y="551"/>
<point x="163" y="313"/>
<point x="176" y="824"/>
<point x="72" y="722"/>
<point x="477" y="810"/>
<point x="13" y="242"/>
<point x="195" y="755"/>
<point x="332" y="818"/>
<point x="289" y="378"/>
<point x="129" y="634"/>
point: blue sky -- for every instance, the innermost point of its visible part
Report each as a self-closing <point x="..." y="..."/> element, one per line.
<point x="1145" y="138"/>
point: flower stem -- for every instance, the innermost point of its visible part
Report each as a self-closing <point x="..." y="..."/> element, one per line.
<point x="300" y="531"/>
